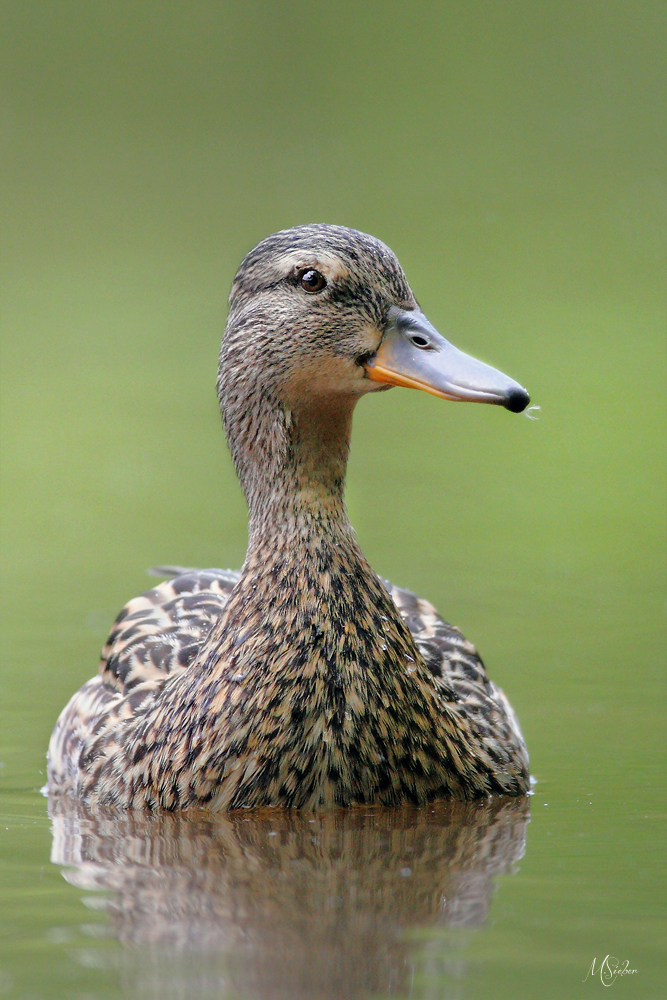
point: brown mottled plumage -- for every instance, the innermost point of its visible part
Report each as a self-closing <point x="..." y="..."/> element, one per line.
<point x="303" y="680"/>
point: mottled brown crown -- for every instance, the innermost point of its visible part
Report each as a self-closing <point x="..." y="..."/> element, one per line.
<point x="370" y="264"/>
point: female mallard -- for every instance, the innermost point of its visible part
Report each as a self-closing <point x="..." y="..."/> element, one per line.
<point x="303" y="680"/>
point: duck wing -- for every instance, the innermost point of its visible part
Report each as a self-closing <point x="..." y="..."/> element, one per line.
<point x="453" y="659"/>
<point x="155" y="636"/>
<point x="445" y="650"/>
<point x="159" y="633"/>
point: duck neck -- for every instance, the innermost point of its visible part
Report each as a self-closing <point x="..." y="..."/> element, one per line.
<point x="292" y="465"/>
<point x="306" y="589"/>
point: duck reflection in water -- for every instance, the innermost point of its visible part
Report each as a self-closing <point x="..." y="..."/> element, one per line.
<point x="281" y="904"/>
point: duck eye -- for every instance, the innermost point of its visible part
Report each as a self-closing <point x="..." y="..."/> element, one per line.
<point x="312" y="281"/>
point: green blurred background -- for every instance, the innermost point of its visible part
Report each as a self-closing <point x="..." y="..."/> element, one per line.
<point x="514" y="156"/>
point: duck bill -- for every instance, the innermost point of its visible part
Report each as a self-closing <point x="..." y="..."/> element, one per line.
<point x="413" y="354"/>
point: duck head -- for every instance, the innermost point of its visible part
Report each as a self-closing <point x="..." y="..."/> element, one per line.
<point x="319" y="316"/>
<point x="325" y="311"/>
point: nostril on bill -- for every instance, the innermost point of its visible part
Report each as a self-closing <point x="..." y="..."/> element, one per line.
<point x="516" y="400"/>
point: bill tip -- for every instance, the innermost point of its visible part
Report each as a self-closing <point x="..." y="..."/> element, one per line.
<point x="516" y="400"/>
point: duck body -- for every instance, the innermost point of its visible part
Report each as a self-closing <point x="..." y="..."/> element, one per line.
<point x="303" y="680"/>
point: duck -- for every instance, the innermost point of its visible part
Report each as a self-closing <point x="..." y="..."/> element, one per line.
<point x="303" y="680"/>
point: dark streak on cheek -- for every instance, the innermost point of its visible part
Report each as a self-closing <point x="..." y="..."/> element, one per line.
<point x="363" y="359"/>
